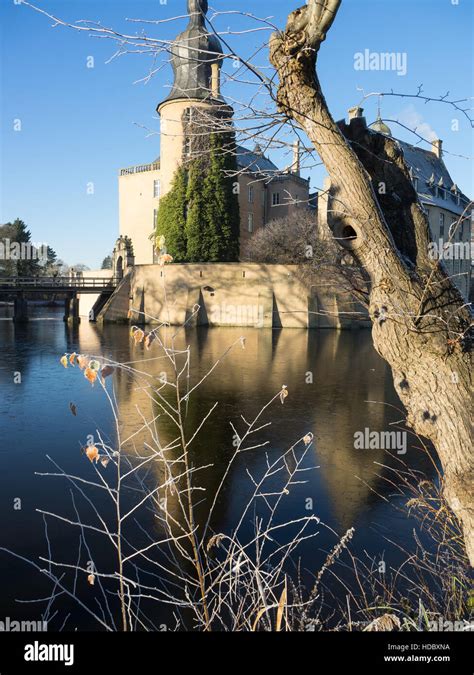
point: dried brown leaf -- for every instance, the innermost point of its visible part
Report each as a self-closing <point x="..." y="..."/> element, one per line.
<point x="92" y="453"/>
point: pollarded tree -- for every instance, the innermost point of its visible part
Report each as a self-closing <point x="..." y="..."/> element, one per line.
<point x="171" y="219"/>
<point x="421" y="324"/>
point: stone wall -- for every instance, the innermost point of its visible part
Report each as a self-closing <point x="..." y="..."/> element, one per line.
<point x="137" y="206"/>
<point x="116" y="308"/>
<point x="242" y="294"/>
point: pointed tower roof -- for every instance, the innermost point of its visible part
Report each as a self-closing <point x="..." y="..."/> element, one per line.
<point x="193" y="54"/>
<point x="379" y="125"/>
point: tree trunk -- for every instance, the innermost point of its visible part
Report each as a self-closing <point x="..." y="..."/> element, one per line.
<point x="421" y="325"/>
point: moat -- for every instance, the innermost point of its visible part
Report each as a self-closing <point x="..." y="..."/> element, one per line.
<point x="337" y="386"/>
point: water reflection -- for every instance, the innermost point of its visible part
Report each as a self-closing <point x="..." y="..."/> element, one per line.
<point x="337" y="383"/>
<point x="333" y="380"/>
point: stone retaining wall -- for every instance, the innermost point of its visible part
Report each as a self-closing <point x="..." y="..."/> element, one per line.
<point x="241" y="294"/>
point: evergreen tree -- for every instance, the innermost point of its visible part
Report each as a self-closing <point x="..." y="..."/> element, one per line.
<point x="50" y="265"/>
<point x="221" y="204"/>
<point x="7" y="265"/>
<point x="19" y="256"/>
<point x="199" y="217"/>
<point x="171" y="220"/>
<point x="107" y="263"/>
<point x="197" y="239"/>
<point x="27" y="266"/>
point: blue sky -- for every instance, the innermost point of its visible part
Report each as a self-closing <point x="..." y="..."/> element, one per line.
<point x="79" y="125"/>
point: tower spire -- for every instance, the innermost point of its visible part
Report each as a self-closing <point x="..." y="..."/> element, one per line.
<point x="379" y="125"/>
<point x="197" y="10"/>
<point x="196" y="57"/>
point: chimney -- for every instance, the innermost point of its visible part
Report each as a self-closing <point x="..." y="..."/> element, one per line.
<point x="357" y="111"/>
<point x="215" y="80"/>
<point x="437" y="148"/>
<point x="296" y="167"/>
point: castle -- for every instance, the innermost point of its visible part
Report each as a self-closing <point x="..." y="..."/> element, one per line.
<point x="264" y="191"/>
<point x="446" y="207"/>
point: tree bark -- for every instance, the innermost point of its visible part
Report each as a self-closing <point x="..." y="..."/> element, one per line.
<point x="421" y="324"/>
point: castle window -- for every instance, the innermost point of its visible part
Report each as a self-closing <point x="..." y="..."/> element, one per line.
<point x="155" y="218"/>
<point x="250" y="222"/>
<point x="276" y="199"/>
<point x="156" y="189"/>
<point x="441" y="224"/>
<point x="187" y="147"/>
<point x="251" y="194"/>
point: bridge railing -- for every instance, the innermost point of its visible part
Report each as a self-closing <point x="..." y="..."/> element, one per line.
<point x="69" y="282"/>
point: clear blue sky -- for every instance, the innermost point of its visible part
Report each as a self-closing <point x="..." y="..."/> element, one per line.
<point x="80" y="125"/>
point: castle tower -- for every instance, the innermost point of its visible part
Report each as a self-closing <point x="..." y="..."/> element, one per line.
<point x="192" y="111"/>
<point x="196" y="58"/>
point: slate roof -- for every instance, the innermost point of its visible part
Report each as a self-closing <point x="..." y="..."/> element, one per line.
<point x="246" y="159"/>
<point x="430" y="170"/>
<point x="251" y="161"/>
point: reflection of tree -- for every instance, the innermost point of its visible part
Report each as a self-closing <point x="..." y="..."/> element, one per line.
<point x="14" y="358"/>
<point x="351" y="392"/>
<point x="347" y="375"/>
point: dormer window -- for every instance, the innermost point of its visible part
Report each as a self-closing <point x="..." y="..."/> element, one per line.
<point x="440" y="191"/>
<point x="456" y="195"/>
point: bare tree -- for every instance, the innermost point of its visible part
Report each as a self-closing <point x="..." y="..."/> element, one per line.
<point x="421" y="325"/>
<point x="321" y="263"/>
